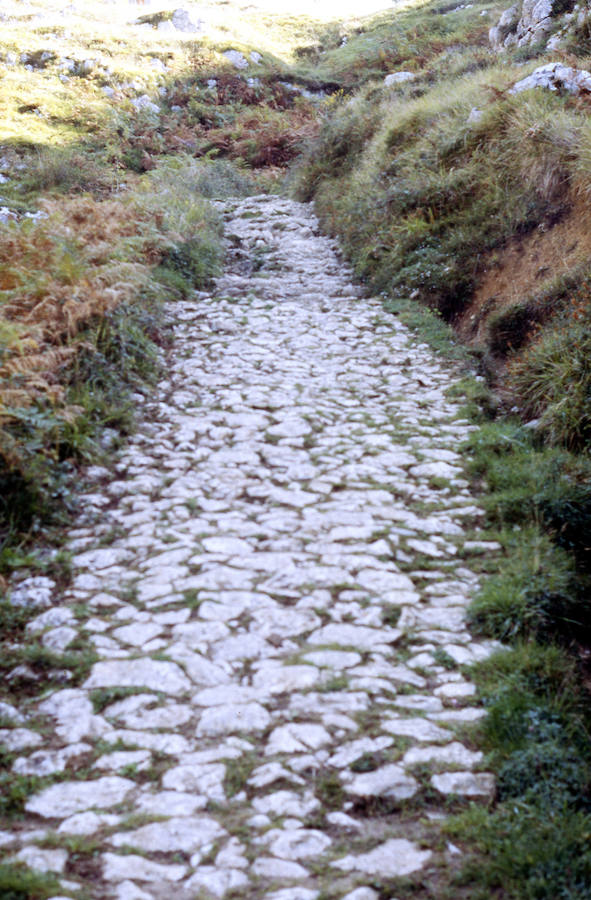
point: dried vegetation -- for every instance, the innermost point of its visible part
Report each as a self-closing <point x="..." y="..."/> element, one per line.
<point x="437" y="210"/>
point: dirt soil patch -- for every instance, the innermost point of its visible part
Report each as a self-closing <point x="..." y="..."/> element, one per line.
<point x="524" y="266"/>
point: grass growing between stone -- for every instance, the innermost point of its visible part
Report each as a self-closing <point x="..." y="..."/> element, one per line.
<point x="19" y="883"/>
<point x="534" y="842"/>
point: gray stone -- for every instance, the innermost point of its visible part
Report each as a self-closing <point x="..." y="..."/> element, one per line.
<point x="225" y="695"/>
<point x="88" y="823"/>
<point x="454" y="753"/>
<point x="237" y="59"/>
<point x="362" y="893"/>
<point x="299" y="844"/>
<point x="199" y="669"/>
<point x="145" y="104"/>
<point x="10" y="713"/>
<point x="384" y="582"/>
<point x="52" y="618"/>
<point x="120" y="759"/>
<point x="62" y="800"/>
<point x="33" y="592"/>
<point x="278" y="869"/>
<point x="420" y="702"/>
<point x="271" y="772"/>
<point x="469" y="714"/>
<point x="232" y="856"/>
<point x="553" y="76"/>
<point x="169" y="743"/>
<point x="171" y="803"/>
<point x="127" y="890"/>
<point x="15" y="739"/>
<point x="295" y="893"/>
<point x="137" y="634"/>
<point x="226" y="546"/>
<point x="229" y="718"/>
<point x="419" y="729"/>
<point x="182" y="20"/>
<point x="147" y="673"/>
<point x="47" y="762"/>
<point x="134" y="714"/>
<point x="506" y="27"/>
<point x="387" y="781"/>
<point x="354" y="636"/>
<point x="399" y="78"/>
<point x="43" y="860"/>
<point x="348" y="753"/>
<point x="342" y="820"/>
<point x="333" y="659"/>
<point x="215" y="881"/>
<point x="286" y="803"/>
<point x="123" y="868"/>
<point x="59" y="638"/>
<point x="465" y="784"/>
<point x="455" y="690"/>
<point x="297" y="738"/>
<point x="176" y="835"/>
<point x="283" y="679"/>
<point x="207" y="780"/>
<point x="394" y="859"/>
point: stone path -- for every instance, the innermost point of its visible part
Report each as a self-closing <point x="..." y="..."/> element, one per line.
<point x="274" y="579"/>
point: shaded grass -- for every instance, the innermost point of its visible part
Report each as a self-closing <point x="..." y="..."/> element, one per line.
<point x="535" y="841"/>
<point x="535" y="594"/>
<point x="552" y="378"/>
<point x="94" y="327"/>
<point x="19" y="883"/>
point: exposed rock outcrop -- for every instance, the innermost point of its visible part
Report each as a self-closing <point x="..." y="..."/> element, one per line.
<point x="555" y="76"/>
<point x="545" y="22"/>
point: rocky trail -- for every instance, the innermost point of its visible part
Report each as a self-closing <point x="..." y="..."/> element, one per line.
<point x="274" y="576"/>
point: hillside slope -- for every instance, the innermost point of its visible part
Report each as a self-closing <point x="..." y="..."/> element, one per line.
<point x="462" y="204"/>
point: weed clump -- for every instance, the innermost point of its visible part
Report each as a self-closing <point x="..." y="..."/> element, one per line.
<point x="536" y="839"/>
<point x="535" y="594"/>
<point x="81" y="324"/>
<point x="19" y="883"/>
<point x="553" y="377"/>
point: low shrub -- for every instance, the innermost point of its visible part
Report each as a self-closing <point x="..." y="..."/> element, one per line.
<point x="535" y="594"/>
<point x="19" y="883"/>
<point x="534" y="843"/>
<point x="552" y="379"/>
<point x="81" y="293"/>
<point x="511" y="328"/>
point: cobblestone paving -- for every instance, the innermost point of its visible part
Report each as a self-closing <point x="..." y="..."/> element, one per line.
<point x="274" y="578"/>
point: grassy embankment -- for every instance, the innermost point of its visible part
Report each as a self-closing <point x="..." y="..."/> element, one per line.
<point x="482" y="222"/>
<point x="432" y="209"/>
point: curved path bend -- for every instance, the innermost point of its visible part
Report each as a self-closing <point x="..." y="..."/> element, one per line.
<point x="274" y="579"/>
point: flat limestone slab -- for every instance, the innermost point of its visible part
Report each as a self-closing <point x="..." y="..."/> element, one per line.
<point x="178" y="834"/>
<point x="146" y="673"/>
<point x="62" y="800"/>
<point x="465" y="784"/>
<point x="122" y="868"/>
<point x="387" y="781"/>
<point x="395" y="858"/>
